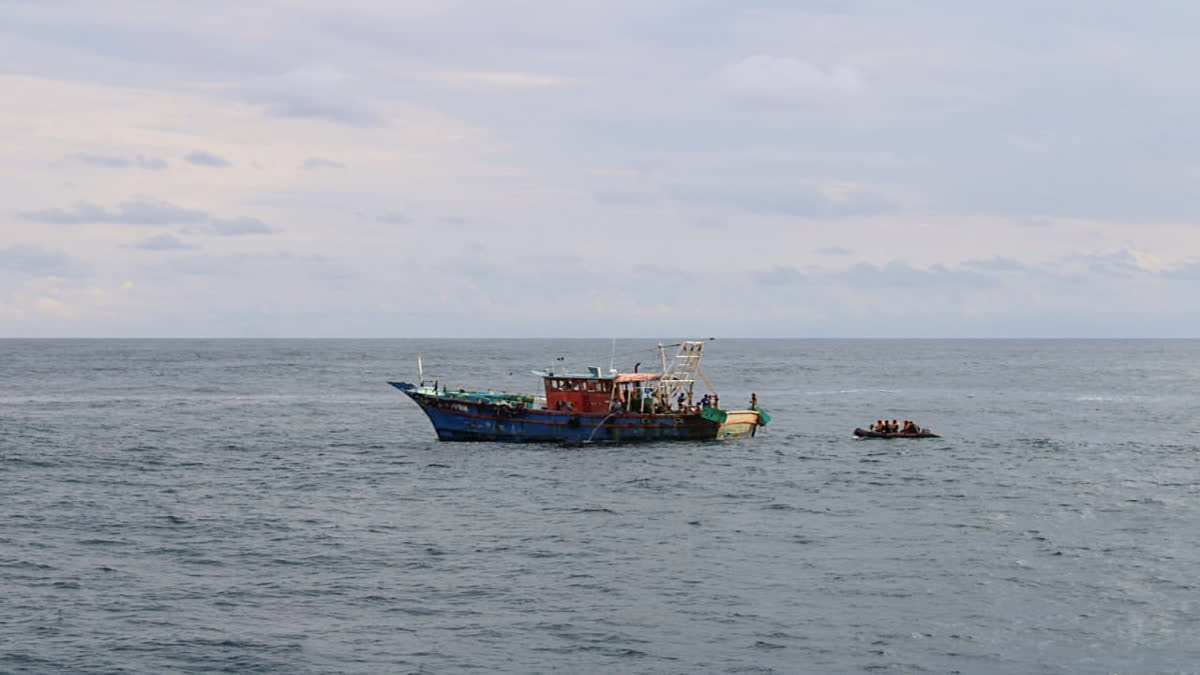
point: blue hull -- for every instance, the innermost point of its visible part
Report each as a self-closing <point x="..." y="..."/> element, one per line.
<point x="456" y="419"/>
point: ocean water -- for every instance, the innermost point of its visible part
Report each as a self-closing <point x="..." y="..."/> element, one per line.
<point x="275" y="506"/>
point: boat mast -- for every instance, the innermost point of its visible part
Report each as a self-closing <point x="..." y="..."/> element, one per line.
<point x="680" y="378"/>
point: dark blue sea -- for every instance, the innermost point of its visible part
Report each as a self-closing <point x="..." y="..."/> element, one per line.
<point x="274" y="506"/>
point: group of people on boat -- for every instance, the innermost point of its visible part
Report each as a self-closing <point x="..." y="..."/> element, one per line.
<point x="683" y="405"/>
<point x="659" y="404"/>
<point x="894" y="427"/>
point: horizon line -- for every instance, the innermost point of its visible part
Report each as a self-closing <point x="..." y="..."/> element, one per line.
<point x="552" y="337"/>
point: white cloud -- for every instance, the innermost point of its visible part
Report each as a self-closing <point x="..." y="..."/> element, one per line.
<point x="507" y="80"/>
<point x="162" y="242"/>
<point x="232" y="227"/>
<point x="136" y="212"/>
<point x="52" y="306"/>
<point x="776" y="79"/>
<point x="123" y="162"/>
<point x="795" y="199"/>
<point x="321" y="92"/>
<point x="447" y="159"/>
<point x="38" y="260"/>
<point x="313" y="163"/>
<point x="150" y="212"/>
<point x="201" y="158"/>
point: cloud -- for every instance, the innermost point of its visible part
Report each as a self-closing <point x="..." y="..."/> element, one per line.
<point x="624" y="197"/>
<point x="240" y="265"/>
<point x="137" y="212"/>
<point x="150" y="212"/>
<point x="662" y="274"/>
<point x="37" y="260"/>
<point x="47" y="305"/>
<point x="121" y="162"/>
<point x="799" y="200"/>
<point x="394" y="218"/>
<point x="155" y="213"/>
<point x="901" y="275"/>
<point x="511" y="80"/>
<point x="321" y="163"/>
<point x="539" y="110"/>
<point x="1123" y="264"/>
<point x="231" y="227"/>
<point x="1184" y="272"/>
<point x="783" y="80"/>
<point x="1037" y="222"/>
<point x="202" y="158"/>
<point x="162" y="242"/>
<point x="779" y="275"/>
<point x="323" y="92"/>
<point x="996" y="264"/>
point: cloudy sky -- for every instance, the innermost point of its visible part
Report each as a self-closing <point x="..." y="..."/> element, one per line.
<point x="520" y="168"/>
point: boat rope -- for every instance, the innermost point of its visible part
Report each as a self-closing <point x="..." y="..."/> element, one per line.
<point x="597" y="427"/>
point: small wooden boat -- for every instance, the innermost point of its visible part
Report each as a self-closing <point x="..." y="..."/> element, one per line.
<point x="924" y="433"/>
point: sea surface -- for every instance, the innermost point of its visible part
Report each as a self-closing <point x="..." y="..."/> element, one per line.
<point x="274" y="506"/>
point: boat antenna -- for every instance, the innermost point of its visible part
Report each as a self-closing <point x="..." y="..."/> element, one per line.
<point x="612" y="357"/>
<point x="420" y="369"/>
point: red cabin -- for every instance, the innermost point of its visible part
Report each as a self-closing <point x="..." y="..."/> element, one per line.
<point x="594" y="393"/>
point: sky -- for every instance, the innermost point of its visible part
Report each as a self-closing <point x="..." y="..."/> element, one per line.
<point x="559" y="168"/>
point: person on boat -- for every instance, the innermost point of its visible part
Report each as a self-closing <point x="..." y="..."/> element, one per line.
<point x="895" y="426"/>
<point x="753" y="401"/>
<point x="682" y="401"/>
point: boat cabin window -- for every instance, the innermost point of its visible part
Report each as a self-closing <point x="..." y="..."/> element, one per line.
<point x="580" y="394"/>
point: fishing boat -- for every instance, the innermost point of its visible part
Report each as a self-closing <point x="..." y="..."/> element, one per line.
<point x="592" y="407"/>
<point x="867" y="433"/>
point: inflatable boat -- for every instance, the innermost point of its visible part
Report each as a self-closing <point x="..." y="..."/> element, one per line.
<point x="924" y="433"/>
